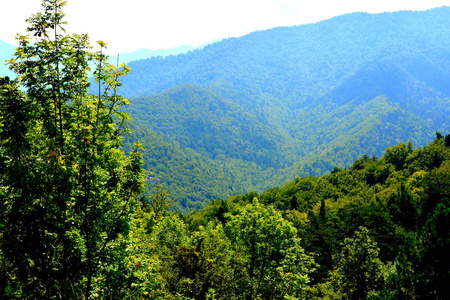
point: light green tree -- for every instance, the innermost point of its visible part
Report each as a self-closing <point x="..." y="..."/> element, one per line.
<point x="361" y="268"/>
<point x="67" y="190"/>
<point x="277" y="266"/>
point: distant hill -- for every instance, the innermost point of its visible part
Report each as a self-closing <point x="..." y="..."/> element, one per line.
<point x="146" y="53"/>
<point x="6" y="50"/>
<point x="287" y="60"/>
<point x="259" y="110"/>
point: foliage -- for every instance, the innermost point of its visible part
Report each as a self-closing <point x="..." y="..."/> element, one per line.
<point x="75" y="221"/>
<point x="277" y="266"/>
<point x="360" y="265"/>
<point x="249" y="113"/>
<point x="399" y="252"/>
<point x="67" y="188"/>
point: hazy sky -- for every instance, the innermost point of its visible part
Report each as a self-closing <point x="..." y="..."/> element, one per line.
<point x="128" y="25"/>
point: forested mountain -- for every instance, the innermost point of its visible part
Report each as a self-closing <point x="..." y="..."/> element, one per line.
<point x="146" y="53"/>
<point x="74" y="222"/>
<point x="261" y="109"/>
<point x="6" y="50"/>
<point x="379" y="229"/>
<point x="312" y="60"/>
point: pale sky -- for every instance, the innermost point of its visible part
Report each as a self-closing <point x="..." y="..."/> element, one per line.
<point x="128" y="25"/>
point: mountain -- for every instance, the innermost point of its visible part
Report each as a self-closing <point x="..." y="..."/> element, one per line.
<point x="265" y="108"/>
<point x="254" y="112"/>
<point x="6" y="50"/>
<point x="288" y="60"/>
<point x="146" y="53"/>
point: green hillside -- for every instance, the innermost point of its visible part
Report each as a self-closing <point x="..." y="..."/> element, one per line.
<point x="379" y="229"/>
<point x="77" y="220"/>
<point x="293" y="101"/>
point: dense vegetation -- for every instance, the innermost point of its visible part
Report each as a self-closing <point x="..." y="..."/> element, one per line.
<point x="74" y="224"/>
<point x="259" y="110"/>
<point x="379" y="229"/>
<point x="67" y="190"/>
<point x="255" y="112"/>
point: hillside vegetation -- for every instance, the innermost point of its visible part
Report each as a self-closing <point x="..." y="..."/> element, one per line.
<point x="260" y="110"/>
<point x="377" y="230"/>
<point x="75" y="222"/>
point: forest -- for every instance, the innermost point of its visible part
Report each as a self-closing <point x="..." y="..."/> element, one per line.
<point x="83" y="217"/>
<point x="260" y="110"/>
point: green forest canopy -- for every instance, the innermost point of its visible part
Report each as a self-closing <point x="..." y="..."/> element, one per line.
<point x="73" y="224"/>
<point x="250" y="113"/>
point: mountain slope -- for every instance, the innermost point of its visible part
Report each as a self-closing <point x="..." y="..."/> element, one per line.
<point x="298" y="100"/>
<point x="146" y="53"/>
<point x="6" y="50"/>
<point x="291" y="59"/>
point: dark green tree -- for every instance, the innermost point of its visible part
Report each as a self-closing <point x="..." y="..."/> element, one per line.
<point x="404" y="208"/>
<point x="67" y="190"/>
<point x="360" y="265"/>
<point x="397" y="155"/>
<point x="221" y="211"/>
<point x="434" y="266"/>
<point x="159" y="201"/>
<point x="447" y="140"/>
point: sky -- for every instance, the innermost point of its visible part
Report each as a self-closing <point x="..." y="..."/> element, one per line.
<point x="129" y="25"/>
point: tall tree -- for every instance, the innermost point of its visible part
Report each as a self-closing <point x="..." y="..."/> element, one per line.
<point x="360" y="265"/>
<point x="66" y="188"/>
<point x="277" y="266"/>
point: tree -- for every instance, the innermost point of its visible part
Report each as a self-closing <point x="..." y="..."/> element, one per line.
<point x="277" y="266"/>
<point x="397" y="155"/>
<point x="67" y="190"/>
<point x="360" y="266"/>
<point x="404" y="208"/>
<point x="447" y="140"/>
<point x="434" y="265"/>
<point x="159" y="201"/>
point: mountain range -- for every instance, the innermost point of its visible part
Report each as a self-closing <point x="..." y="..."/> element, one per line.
<point x="253" y="112"/>
<point x="6" y="50"/>
<point x="249" y="113"/>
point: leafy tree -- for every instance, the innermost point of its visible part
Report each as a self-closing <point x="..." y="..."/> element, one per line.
<point x="437" y="189"/>
<point x="142" y="264"/>
<point x="221" y="211"/>
<point x="404" y="208"/>
<point x="447" y="140"/>
<point x="159" y="201"/>
<point x="397" y="155"/>
<point x="360" y="265"/>
<point x="170" y="235"/>
<point x="67" y="190"/>
<point x="434" y="266"/>
<point x="209" y="262"/>
<point x="378" y="172"/>
<point x="277" y="266"/>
